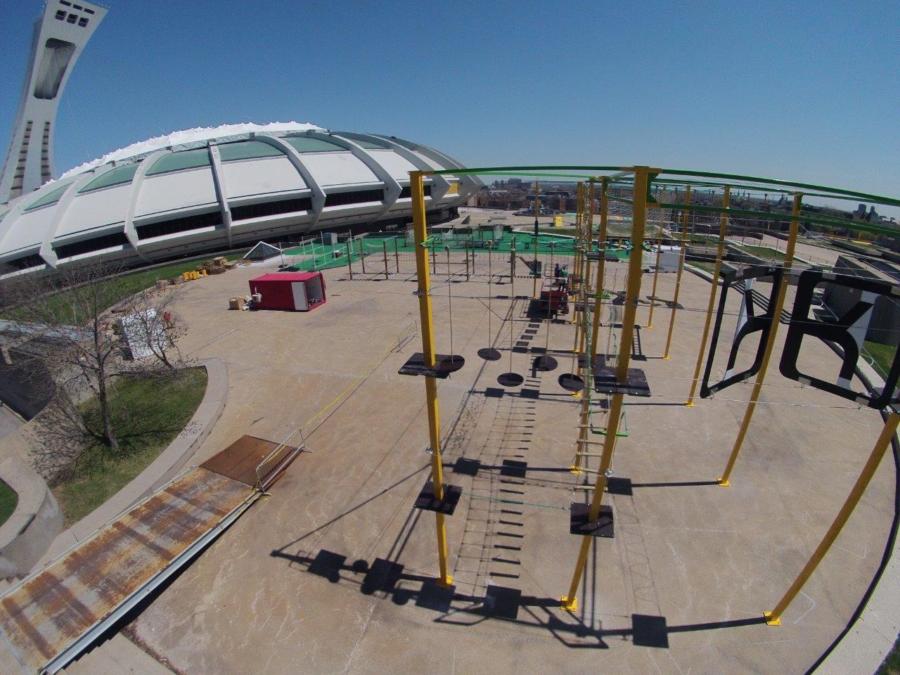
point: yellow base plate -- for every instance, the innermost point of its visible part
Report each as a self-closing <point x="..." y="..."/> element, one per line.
<point x="569" y="605"/>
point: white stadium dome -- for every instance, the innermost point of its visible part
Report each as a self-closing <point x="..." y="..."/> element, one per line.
<point x="219" y="188"/>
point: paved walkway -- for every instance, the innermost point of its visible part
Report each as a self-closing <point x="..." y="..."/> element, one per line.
<point x="9" y="421"/>
<point x="329" y="571"/>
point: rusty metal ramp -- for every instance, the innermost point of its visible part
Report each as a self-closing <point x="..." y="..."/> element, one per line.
<point x="254" y="461"/>
<point x="55" y="614"/>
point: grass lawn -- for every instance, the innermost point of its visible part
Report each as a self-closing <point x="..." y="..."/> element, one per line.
<point x="147" y="415"/>
<point x="763" y="252"/>
<point x="891" y="665"/>
<point x="121" y="287"/>
<point x="882" y="354"/>
<point x="703" y="265"/>
<point x="8" y="501"/>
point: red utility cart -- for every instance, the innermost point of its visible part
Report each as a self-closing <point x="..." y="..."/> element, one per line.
<point x="293" y="291"/>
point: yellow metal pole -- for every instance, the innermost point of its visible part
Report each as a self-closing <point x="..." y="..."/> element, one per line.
<point x="655" y="278"/>
<point x="770" y="342"/>
<point x="575" y="277"/>
<point x="633" y="290"/>
<point x="773" y="618"/>
<point x="720" y="252"/>
<point x="684" y="245"/>
<point x="586" y="240"/>
<point x="537" y="211"/>
<point x="586" y="360"/>
<point x="601" y="264"/>
<point x="417" y="189"/>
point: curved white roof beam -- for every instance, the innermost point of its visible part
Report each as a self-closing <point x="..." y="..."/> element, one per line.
<point x="392" y="188"/>
<point x="296" y="159"/>
<point x="136" y="184"/>
<point x="439" y="184"/>
<point x="46" y="250"/>
<point x="218" y="176"/>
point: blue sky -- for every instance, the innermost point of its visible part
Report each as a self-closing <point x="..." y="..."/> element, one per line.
<point x="808" y="91"/>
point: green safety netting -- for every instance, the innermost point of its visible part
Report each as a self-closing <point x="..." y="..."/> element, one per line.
<point x="318" y="256"/>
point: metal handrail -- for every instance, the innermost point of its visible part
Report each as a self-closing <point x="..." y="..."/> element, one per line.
<point x="275" y="452"/>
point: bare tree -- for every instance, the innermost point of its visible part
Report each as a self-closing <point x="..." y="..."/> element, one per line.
<point x="156" y="328"/>
<point x="75" y="323"/>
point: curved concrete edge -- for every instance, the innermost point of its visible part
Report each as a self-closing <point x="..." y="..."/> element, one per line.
<point x="871" y="637"/>
<point x="34" y="524"/>
<point x="161" y="470"/>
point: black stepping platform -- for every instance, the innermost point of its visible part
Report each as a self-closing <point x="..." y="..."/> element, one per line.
<point x="571" y="382"/>
<point x="502" y="602"/>
<point x="383" y="575"/>
<point x="579" y="524"/>
<point x="435" y="597"/>
<point x="649" y="631"/>
<point x="444" y="365"/>
<point x="514" y="468"/>
<point x="428" y="502"/>
<point x="328" y="564"/>
<point x="606" y="382"/>
<point x="466" y="466"/>
<point x="619" y="486"/>
<point x="510" y="379"/>
<point x="544" y="363"/>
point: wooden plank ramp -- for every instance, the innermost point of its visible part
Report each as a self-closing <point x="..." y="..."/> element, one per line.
<point x="56" y="613"/>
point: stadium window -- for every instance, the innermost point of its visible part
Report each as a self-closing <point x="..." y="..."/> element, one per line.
<point x="358" y="197"/>
<point x="65" y="2"/>
<point x="119" y="175"/>
<point x="91" y="245"/>
<point x="78" y="7"/>
<point x="72" y="18"/>
<point x="60" y="15"/>
<point x="270" y="208"/>
<point x="230" y="152"/>
<point x="406" y="192"/>
<point x="88" y="10"/>
<point x="25" y="262"/>
<point x="82" y="22"/>
<point x="179" y="161"/>
<point x="179" y="225"/>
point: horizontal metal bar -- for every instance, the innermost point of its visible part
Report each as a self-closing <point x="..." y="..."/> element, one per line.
<point x="760" y="180"/>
